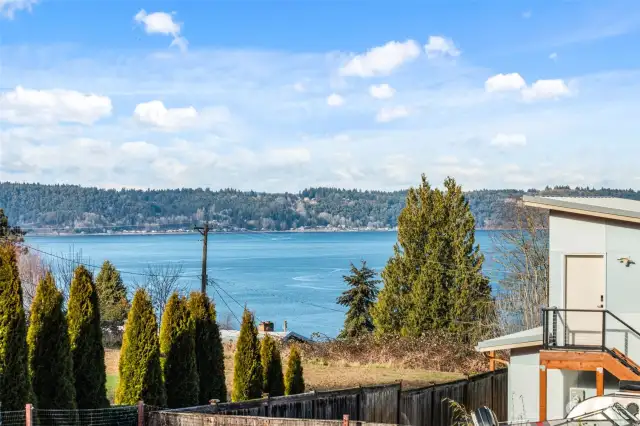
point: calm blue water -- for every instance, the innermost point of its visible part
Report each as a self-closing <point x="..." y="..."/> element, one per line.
<point x="280" y="276"/>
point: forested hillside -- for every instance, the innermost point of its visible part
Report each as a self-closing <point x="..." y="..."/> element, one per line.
<point x="74" y="208"/>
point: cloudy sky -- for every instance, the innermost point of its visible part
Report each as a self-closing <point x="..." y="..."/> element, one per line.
<point x="282" y="95"/>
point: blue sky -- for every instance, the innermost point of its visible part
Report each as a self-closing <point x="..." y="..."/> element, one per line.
<point x="282" y="95"/>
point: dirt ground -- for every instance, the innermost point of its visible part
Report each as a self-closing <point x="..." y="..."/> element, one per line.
<point x="321" y="375"/>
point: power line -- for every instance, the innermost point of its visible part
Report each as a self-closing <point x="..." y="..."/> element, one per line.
<point x="227" y="305"/>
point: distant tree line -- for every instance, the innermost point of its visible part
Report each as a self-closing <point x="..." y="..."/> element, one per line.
<point x="75" y="208"/>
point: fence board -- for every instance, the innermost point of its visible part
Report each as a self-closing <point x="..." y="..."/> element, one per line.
<point x="333" y="405"/>
<point x="379" y="404"/>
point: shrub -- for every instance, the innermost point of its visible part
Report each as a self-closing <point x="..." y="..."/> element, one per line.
<point x="272" y="380"/>
<point x="177" y="345"/>
<point x="50" y="364"/>
<point x="86" y="342"/>
<point x="139" y="367"/>
<point x="247" y="371"/>
<point x="14" y="377"/>
<point x="294" y="380"/>
<point x="209" y="351"/>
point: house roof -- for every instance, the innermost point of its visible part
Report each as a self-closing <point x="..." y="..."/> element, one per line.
<point x="521" y="339"/>
<point x="232" y="335"/>
<point x="605" y="207"/>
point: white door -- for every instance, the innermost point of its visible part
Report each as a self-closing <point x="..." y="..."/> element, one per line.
<point x="585" y="288"/>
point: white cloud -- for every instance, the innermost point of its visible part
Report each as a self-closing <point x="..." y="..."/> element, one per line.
<point x="391" y="113"/>
<point x="283" y="157"/>
<point x="504" y="140"/>
<point x="553" y="56"/>
<point x="162" y="23"/>
<point x="140" y="150"/>
<point x="156" y="114"/>
<point x="505" y="83"/>
<point x="299" y="87"/>
<point x="381" y="60"/>
<point x="8" y="8"/>
<point x="438" y="46"/>
<point x="335" y="100"/>
<point x="447" y="159"/>
<point x="28" y="106"/>
<point x="546" y="89"/>
<point x="382" y="91"/>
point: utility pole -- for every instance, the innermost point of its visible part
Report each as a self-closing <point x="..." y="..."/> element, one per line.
<point x="204" y="231"/>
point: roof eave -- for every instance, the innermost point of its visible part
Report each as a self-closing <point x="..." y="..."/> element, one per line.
<point x="580" y="209"/>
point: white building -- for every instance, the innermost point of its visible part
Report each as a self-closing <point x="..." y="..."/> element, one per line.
<point x="589" y="338"/>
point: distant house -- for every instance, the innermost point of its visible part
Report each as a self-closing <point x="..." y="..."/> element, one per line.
<point x="230" y="336"/>
<point x="589" y="338"/>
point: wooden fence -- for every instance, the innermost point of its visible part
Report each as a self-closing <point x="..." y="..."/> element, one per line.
<point x="429" y="406"/>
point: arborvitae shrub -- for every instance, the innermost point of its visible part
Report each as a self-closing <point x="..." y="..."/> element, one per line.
<point x="86" y="342"/>
<point x="50" y="364"/>
<point x="247" y="370"/>
<point x="14" y="377"/>
<point x="209" y="350"/>
<point x="177" y="345"/>
<point x="272" y="379"/>
<point x="140" y="371"/>
<point x="294" y="379"/>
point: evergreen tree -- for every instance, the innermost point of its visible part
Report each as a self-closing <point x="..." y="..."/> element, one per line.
<point x="177" y="345"/>
<point x="294" y="379"/>
<point x="272" y="380"/>
<point x="86" y="342"/>
<point x="434" y="279"/>
<point x="14" y="377"/>
<point x="50" y="364"/>
<point x="247" y="369"/>
<point x="360" y="298"/>
<point x="9" y="233"/>
<point x="112" y="294"/>
<point x="209" y="350"/>
<point x="140" y="370"/>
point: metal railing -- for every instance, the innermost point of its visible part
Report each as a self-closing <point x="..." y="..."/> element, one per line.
<point x="590" y="330"/>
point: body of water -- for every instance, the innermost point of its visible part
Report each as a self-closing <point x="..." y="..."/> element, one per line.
<point x="280" y="276"/>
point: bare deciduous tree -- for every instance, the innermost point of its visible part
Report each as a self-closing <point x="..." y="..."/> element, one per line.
<point x="31" y="269"/>
<point x="160" y="282"/>
<point x="64" y="266"/>
<point x="523" y="253"/>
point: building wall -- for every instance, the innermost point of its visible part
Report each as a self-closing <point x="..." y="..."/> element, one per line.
<point x="573" y="234"/>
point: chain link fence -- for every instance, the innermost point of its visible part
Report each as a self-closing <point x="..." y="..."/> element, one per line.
<point x="113" y="416"/>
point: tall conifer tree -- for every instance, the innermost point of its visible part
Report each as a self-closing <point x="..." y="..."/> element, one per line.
<point x="294" y="378"/>
<point x="177" y="345"/>
<point x="359" y="298"/>
<point x="86" y="342"/>
<point x="272" y="379"/>
<point x="139" y="367"/>
<point x="209" y="350"/>
<point x="434" y="279"/>
<point x="14" y="377"/>
<point x="112" y="294"/>
<point x="50" y="364"/>
<point x="247" y="369"/>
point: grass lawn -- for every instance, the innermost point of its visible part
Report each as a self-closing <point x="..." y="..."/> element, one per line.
<point x="319" y="375"/>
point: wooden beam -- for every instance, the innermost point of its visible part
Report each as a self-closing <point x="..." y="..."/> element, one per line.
<point x="492" y="361"/>
<point x="599" y="381"/>
<point x="543" y="394"/>
<point x="565" y="360"/>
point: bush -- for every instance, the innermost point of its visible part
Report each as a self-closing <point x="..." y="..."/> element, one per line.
<point x="209" y="351"/>
<point x="86" y="342"/>
<point x="247" y="371"/>
<point x="177" y="345"/>
<point x="272" y="380"/>
<point x="294" y="380"/>
<point x="50" y="362"/>
<point x="14" y="376"/>
<point x="139" y="367"/>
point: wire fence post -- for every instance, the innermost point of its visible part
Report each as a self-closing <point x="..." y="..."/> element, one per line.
<point x="28" y="412"/>
<point x="140" y="413"/>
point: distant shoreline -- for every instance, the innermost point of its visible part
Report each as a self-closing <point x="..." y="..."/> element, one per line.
<point x="290" y="231"/>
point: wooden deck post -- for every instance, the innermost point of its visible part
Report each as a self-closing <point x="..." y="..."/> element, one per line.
<point x="599" y="381"/>
<point x="543" y="394"/>
<point x="492" y="360"/>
